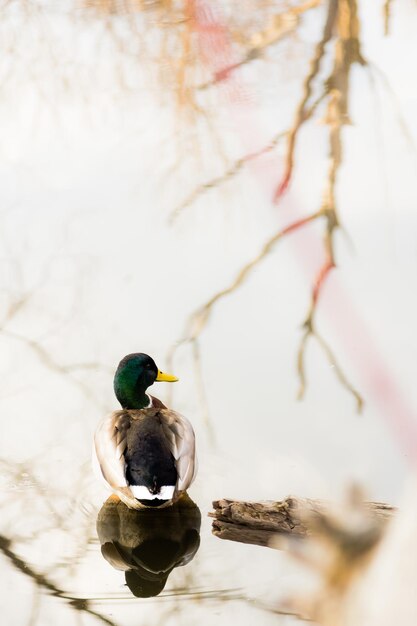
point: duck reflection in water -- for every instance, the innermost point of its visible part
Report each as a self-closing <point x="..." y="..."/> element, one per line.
<point x="147" y="544"/>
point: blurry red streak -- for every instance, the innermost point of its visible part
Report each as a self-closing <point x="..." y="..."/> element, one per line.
<point x="282" y="186"/>
<point x="321" y="277"/>
<point x="216" y="50"/>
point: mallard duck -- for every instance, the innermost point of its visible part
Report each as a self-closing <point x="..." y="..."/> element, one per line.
<point x="145" y="452"/>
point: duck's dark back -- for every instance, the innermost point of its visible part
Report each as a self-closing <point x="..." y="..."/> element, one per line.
<point x="149" y="461"/>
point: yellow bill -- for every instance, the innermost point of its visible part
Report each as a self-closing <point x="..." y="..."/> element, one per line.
<point x="167" y="378"/>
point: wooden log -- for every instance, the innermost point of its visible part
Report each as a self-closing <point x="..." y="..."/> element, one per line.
<point x="258" y="522"/>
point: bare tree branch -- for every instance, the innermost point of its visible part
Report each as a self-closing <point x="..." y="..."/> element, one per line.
<point x="201" y="389"/>
<point x="279" y="26"/>
<point x="387" y="16"/>
<point x="332" y="360"/>
<point x="237" y="166"/>
<point x="198" y="320"/>
<point x="36" y="603"/>
<point x="43" y="582"/>
<point x="300" y="116"/>
<point x="405" y="130"/>
<point x="49" y="362"/>
<point x="347" y="52"/>
<point x="230" y="173"/>
<point x="342" y="25"/>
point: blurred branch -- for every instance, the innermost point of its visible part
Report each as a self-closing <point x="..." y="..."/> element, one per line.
<point x="402" y="122"/>
<point x="18" y="302"/>
<point x="277" y="610"/>
<point x="280" y="25"/>
<point x="300" y="116"/>
<point x="36" y="603"/>
<point x="230" y="173"/>
<point x="387" y="16"/>
<point x="198" y="320"/>
<point x="237" y="166"/>
<point x="16" y="306"/>
<point x="201" y="389"/>
<point x="332" y="360"/>
<point x="347" y="52"/>
<point x="43" y="582"/>
<point x="49" y="362"/>
<point x="342" y="26"/>
<point x="341" y="19"/>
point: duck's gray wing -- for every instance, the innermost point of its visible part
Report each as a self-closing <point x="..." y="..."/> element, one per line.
<point x="110" y="444"/>
<point x="181" y="440"/>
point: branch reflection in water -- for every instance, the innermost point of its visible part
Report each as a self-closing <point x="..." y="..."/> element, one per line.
<point x="147" y="544"/>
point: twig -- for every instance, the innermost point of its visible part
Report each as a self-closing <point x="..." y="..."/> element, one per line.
<point x="347" y="52"/>
<point x="199" y="318"/>
<point x="334" y="363"/>
<point x="201" y="390"/>
<point x="48" y="361"/>
<point x="402" y="122"/>
<point x="387" y="16"/>
<point x="342" y="24"/>
<point x="42" y="581"/>
<point x="341" y="19"/>
<point x="236" y="167"/>
<point x="280" y="26"/>
<point x="230" y="173"/>
<point x="36" y="603"/>
<point x="277" y="610"/>
<point x="300" y="116"/>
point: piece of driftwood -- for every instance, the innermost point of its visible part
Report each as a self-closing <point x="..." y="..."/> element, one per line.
<point x="258" y="522"/>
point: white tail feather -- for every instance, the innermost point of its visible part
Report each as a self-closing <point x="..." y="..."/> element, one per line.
<point x="141" y="492"/>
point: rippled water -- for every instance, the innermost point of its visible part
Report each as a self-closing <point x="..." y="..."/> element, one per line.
<point x="70" y="562"/>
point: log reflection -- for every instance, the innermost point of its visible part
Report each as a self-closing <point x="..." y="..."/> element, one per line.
<point x="148" y="544"/>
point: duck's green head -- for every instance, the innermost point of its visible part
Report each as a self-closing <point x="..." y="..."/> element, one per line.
<point x="137" y="372"/>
